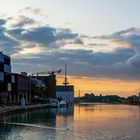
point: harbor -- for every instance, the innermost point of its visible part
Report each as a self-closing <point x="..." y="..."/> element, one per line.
<point x="69" y="70"/>
<point x="24" y="89"/>
<point x="92" y="121"/>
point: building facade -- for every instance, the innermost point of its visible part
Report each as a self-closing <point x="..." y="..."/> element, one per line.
<point x="5" y="78"/>
<point x="49" y="85"/>
<point x="20" y="88"/>
<point x="65" y="92"/>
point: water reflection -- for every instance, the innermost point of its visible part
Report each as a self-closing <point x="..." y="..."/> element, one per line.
<point x="42" y="122"/>
<point x="92" y="121"/>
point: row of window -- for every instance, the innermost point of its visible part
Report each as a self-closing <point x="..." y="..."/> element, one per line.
<point x="5" y="77"/>
<point x="5" y="68"/>
<point x="4" y="59"/>
<point x="65" y="88"/>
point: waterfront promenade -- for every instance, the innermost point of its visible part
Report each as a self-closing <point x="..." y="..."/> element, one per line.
<point x="16" y="109"/>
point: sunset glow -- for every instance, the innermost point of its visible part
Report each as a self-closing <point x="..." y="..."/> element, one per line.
<point x="102" y="86"/>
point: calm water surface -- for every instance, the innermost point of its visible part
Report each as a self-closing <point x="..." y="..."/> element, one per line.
<point x="84" y="122"/>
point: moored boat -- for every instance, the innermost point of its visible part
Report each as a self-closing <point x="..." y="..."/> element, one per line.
<point x="54" y="103"/>
<point x="62" y="104"/>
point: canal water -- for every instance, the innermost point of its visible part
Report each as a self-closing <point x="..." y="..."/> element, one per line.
<point x="84" y="122"/>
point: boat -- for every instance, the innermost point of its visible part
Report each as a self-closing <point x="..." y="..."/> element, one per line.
<point x="54" y="103"/>
<point x="63" y="104"/>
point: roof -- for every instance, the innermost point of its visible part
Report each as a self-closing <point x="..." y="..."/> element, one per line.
<point x="4" y="54"/>
<point x="17" y="74"/>
<point x="65" y="88"/>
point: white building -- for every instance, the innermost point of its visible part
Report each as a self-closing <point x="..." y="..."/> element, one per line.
<point x="65" y="92"/>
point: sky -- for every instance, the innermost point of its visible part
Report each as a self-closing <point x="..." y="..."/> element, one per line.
<point x="98" y="39"/>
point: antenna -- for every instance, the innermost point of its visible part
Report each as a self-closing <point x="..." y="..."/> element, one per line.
<point x="65" y="81"/>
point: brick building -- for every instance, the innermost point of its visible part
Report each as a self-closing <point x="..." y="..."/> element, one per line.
<point x="20" y="88"/>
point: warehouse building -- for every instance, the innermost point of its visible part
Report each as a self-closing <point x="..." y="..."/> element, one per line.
<point x="65" y="93"/>
<point x="20" y="88"/>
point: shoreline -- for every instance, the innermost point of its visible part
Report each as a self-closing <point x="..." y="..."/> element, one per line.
<point x="18" y="109"/>
<point x="107" y="103"/>
<point x="8" y="110"/>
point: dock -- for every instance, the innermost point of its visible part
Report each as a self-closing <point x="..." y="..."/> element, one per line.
<point x="6" y="110"/>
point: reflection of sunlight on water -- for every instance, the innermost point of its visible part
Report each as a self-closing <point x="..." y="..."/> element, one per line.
<point x="98" y="112"/>
<point x="36" y="126"/>
<point x="84" y="122"/>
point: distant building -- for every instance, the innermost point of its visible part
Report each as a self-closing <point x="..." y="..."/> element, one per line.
<point x="65" y="92"/>
<point x="5" y="78"/>
<point x="20" y="88"/>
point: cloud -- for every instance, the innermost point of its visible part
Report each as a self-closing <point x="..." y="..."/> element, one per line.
<point x="131" y="66"/>
<point x="7" y="44"/>
<point x="45" y="35"/>
<point x="23" y="21"/>
<point x="78" y="40"/>
<point x="83" y="63"/>
<point x="42" y="35"/>
<point x="65" y="34"/>
<point x="2" y="22"/>
<point x="33" y="10"/>
<point x="44" y="46"/>
<point x="130" y="36"/>
<point x="122" y="63"/>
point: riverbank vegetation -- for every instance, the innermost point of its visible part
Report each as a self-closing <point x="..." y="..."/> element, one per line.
<point x="90" y="97"/>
